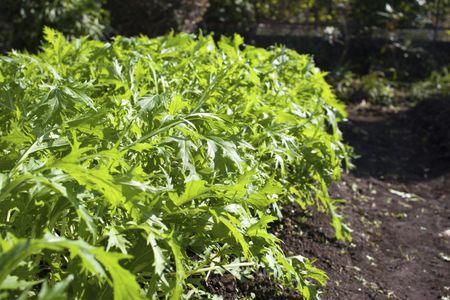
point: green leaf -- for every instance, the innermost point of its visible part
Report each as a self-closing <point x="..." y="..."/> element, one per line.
<point x="115" y="239"/>
<point x="14" y="283"/>
<point x="57" y="292"/>
<point x="98" y="179"/>
<point x="237" y="236"/>
<point x="124" y="283"/>
<point x="177" y="289"/>
<point x="94" y="260"/>
<point x="193" y="190"/>
<point x="159" y="261"/>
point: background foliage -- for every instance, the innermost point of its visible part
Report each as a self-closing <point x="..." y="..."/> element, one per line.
<point x="22" y="21"/>
<point x="155" y="17"/>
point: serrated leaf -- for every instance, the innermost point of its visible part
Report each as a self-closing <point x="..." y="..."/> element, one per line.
<point x="115" y="239"/>
<point x="14" y="283"/>
<point x="159" y="261"/>
<point x="193" y="189"/>
<point x="57" y="292"/>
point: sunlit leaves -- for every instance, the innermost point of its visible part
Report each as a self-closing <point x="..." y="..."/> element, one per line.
<point x="142" y="165"/>
<point x="93" y="260"/>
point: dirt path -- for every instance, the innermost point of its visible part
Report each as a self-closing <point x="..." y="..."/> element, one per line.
<point x="399" y="204"/>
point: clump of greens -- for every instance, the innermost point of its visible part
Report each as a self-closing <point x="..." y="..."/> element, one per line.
<point x="138" y="168"/>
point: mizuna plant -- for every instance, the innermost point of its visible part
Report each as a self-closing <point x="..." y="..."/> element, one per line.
<point x="138" y="168"/>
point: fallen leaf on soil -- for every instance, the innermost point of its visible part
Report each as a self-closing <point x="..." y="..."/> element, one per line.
<point x="406" y="196"/>
<point x="444" y="257"/>
<point x="445" y="234"/>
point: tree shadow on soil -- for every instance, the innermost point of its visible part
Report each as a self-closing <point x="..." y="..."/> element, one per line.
<point x="407" y="146"/>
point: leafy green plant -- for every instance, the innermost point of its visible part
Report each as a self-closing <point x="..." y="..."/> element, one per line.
<point x="139" y="167"/>
<point x="378" y="88"/>
<point x="437" y="85"/>
<point x="373" y="87"/>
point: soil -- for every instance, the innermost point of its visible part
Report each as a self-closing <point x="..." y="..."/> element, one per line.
<point x="398" y="205"/>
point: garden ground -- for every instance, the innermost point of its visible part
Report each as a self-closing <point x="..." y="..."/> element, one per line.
<point x="398" y="205"/>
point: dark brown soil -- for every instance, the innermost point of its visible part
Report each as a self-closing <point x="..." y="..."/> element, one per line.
<point x="398" y="205"/>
